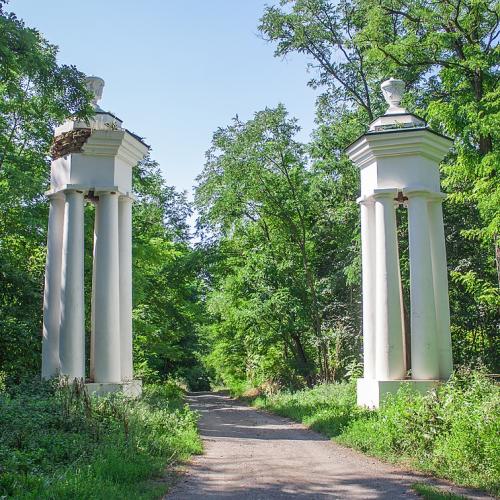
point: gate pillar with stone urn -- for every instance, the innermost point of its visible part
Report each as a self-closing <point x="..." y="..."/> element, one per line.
<point x="399" y="160"/>
<point x="92" y="163"/>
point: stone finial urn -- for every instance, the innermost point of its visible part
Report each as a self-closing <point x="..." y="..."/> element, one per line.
<point x="393" y="91"/>
<point x="96" y="86"/>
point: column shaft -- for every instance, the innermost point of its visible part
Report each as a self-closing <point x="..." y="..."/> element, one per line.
<point x="424" y="347"/>
<point x="107" y="297"/>
<point x="72" y="334"/>
<point x="92" y="303"/>
<point x="440" y="276"/>
<point x="52" y="290"/>
<point x="368" y="275"/>
<point x="389" y="329"/>
<point x="125" y="249"/>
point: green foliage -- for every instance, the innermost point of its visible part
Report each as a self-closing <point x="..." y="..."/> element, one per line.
<point x="167" y="308"/>
<point x="452" y="432"/>
<point x="57" y="442"/>
<point x="278" y="292"/>
<point x="430" y="493"/>
<point x="326" y="408"/>
<point x="279" y="218"/>
<point x="37" y="94"/>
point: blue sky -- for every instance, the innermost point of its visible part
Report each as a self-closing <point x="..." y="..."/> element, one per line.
<point x="175" y="70"/>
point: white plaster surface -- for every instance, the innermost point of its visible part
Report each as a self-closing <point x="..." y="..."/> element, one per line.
<point x="424" y="348"/>
<point x="72" y="330"/>
<point x="107" y="292"/>
<point x="125" y="285"/>
<point x="371" y="393"/>
<point x="51" y="363"/>
<point x="102" y="172"/>
<point x="388" y="325"/>
<point x="131" y="388"/>
<point x="399" y="163"/>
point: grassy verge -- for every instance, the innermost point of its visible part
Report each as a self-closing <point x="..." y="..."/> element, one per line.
<point x="452" y="432"/>
<point x="57" y="443"/>
<point x="430" y="493"/>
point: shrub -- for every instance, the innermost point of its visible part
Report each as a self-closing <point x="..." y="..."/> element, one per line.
<point x="57" y="442"/>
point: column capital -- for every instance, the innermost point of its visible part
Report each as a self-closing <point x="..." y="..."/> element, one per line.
<point x="55" y="196"/>
<point x="127" y="198"/>
<point x="67" y="188"/>
<point x="410" y="192"/>
<point x="385" y="193"/>
<point x="107" y="190"/>
<point x="365" y="200"/>
<point x="437" y="197"/>
<point x="74" y="190"/>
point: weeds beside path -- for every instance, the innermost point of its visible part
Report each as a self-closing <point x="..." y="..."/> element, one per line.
<point x="57" y="443"/>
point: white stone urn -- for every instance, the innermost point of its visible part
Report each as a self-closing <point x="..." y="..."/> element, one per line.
<point x="393" y="91"/>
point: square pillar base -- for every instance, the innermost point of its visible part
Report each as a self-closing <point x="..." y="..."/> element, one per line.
<point x="130" y="388"/>
<point x="371" y="393"/>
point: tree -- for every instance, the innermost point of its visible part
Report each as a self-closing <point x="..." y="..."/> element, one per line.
<point x="453" y="48"/>
<point x="264" y="202"/>
<point x="328" y="33"/>
<point x="35" y="94"/>
<point x="168" y="311"/>
<point x="447" y="52"/>
<point x="38" y="94"/>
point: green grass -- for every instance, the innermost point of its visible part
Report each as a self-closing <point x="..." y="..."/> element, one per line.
<point x="57" y="443"/>
<point x="430" y="493"/>
<point x="452" y="432"/>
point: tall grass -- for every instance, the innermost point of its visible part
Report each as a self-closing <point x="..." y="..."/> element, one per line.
<point x="56" y="442"/>
<point x="453" y="432"/>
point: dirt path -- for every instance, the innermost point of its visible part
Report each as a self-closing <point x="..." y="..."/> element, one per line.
<point x="251" y="454"/>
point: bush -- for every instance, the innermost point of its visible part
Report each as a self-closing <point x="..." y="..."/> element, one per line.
<point x="452" y="431"/>
<point x="196" y="377"/>
<point x="57" y="442"/>
<point x="326" y="408"/>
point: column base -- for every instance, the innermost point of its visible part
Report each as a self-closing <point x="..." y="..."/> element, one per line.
<point x="371" y="393"/>
<point x="131" y="388"/>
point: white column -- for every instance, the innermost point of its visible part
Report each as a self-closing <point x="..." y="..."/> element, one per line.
<point x="92" y="303"/>
<point x="52" y="291"/>
<point x="107" y="296"/>
<point x="424" y="346"/>
<point x="72" y="336"/>
<point x="388" y="327"/>
<point x="440" y="276"/>
<point x="403" y="325"/>
<point x="125" y="249"/>
<point x="367" y="207"/>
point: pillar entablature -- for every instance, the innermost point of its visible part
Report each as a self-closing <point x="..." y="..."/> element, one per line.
<point x="399" y="160"/>
<point x="91" y="162"/>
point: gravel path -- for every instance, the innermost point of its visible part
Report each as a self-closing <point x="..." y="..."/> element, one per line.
<point x="250" y="454"/>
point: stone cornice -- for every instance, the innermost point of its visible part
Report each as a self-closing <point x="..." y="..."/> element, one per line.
<point x="120" y="143"/>
<point x="394" y="143"/>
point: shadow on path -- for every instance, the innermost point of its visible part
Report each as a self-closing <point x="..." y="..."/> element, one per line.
<point x="250" y="454"/>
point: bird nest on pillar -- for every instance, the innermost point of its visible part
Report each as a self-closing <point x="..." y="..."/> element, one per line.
<point x="69" y="142"/>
